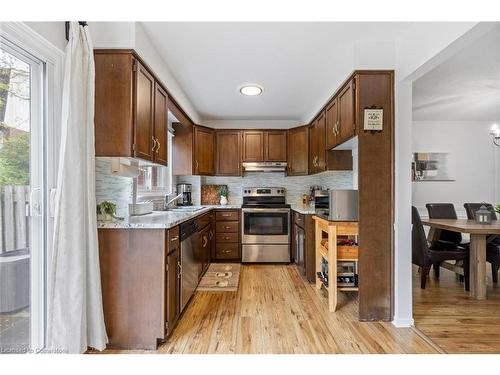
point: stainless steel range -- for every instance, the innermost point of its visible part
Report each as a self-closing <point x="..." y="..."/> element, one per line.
<point x="265" y="226"/>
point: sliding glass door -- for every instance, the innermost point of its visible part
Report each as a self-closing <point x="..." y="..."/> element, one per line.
<point x="22" y="200"/>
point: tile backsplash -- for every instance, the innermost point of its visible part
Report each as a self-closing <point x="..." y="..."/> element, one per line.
<point x="295" y="186"/>
<point x="119" y="189"/>
<point x="112" y="188"/>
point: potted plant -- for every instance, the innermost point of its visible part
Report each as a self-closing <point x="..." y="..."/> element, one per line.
<point x="223" y="194"/>
<point x="106" y="211"/>
<point x="497" y="209"/>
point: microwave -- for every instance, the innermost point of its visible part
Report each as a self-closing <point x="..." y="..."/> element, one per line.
<point x="337" y="204"/>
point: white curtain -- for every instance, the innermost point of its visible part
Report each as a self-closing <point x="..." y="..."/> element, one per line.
<point x="75" y="314"/>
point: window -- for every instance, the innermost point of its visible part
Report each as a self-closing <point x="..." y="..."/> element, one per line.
<point x="155" y="178"/>
<point x="23" y="186"/>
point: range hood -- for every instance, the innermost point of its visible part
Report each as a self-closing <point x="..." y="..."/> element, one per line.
<point x="265" y="167"/>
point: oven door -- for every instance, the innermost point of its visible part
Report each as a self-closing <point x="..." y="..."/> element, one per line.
<point x="265" y="225"/>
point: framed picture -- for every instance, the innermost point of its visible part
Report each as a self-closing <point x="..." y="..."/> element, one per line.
<point x="374" y="119"/>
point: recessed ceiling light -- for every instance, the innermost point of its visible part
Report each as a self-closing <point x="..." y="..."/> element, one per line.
<point x="251" y="90"/>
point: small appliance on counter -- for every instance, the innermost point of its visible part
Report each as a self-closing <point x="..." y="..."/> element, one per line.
<point x="185" y="199"/>
<point x="337" y="205"/>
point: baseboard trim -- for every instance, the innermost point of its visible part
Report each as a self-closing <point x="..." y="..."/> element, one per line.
<point x="403" y="322"/>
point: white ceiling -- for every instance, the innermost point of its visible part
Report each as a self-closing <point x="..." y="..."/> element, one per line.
<point x="298" y="64"/>
<point x="465" y="87"/>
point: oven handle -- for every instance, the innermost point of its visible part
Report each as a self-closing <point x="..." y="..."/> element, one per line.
<point x="271" y="210"/>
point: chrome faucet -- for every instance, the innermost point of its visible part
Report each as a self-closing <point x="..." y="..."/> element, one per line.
<point x="168" y="202"/>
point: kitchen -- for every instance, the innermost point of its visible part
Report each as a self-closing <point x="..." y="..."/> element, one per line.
<point x="249" y="183"/>
<point x="241" y="195"/>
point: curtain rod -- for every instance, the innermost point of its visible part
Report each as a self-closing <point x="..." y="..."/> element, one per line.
<point x="66" y="24"/>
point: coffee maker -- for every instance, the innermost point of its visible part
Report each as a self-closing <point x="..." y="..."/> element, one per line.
<point x="185" y="190"/>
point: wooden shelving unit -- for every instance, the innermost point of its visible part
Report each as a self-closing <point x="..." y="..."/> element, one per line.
<point x="327" y="235"/>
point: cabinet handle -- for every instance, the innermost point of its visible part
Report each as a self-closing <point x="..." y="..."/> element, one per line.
<point x="226" y="215"/>
<point x="226" y="251"/>
<point x="205" y="241"/>
<point x="211" y="235"/>
<point x="227" y="238"/>
<point x="337" y="128"/>
<point x="179" y="266"/>
<point x="227" y="227"/>
<point x="174" y="238"/>
<point x="159" y="145"/>
<point x="196" y="165"/>
<point x="154" y="143"/>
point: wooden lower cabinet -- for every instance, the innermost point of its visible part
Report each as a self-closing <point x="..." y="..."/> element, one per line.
<point x="226" y="245"/>
<point x="172" y="290"/>
<point x="133" y="279"/>
<point x="303" y="239"/>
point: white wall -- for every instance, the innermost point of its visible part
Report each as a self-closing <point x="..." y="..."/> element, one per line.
<point x="471" y="163"/>
<point x="54" y="32"/>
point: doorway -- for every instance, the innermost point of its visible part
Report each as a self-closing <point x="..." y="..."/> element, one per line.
<point x="23" y="189"/>
<point x="454" y="165"/>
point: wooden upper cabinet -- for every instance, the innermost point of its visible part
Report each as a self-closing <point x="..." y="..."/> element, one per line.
<point x="298" y="151"/>
<point x="228" y="153"/>
<point x="253" y="146"/>
<point x="161" y="125"/>
<point x="113" y="116"/>
<point x="144" y="112"/>
<point x="275" y="145"/>
<point x="332" y="124"/>
<point x="130" y="108"/>
<point x="346" y="113"/>
<point x="321" y="134"/>
<point x="317" y="145"/>
<point x="204" y="147"/>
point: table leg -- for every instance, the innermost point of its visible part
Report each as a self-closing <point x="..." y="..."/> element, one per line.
<point x="478" y="266"/>
<point x="433" y="236"/>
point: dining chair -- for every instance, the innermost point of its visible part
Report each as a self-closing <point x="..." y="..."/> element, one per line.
<point x="493" y="242"/>
<point x="425" y="256"/>
<point x="447" y="239"/>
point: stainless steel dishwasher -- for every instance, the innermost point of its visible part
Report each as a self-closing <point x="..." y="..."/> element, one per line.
<point x="189" y="264"/>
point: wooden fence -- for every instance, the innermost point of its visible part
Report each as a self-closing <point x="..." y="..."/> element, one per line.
<point x="14" y="224"/>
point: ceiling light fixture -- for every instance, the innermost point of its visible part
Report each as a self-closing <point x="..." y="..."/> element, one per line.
<point x="251" y="90"/>
<point x="495" y="134"/>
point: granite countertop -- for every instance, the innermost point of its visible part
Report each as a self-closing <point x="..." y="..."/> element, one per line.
<point x="160" y="219"/>
<point x="303" y="209"/>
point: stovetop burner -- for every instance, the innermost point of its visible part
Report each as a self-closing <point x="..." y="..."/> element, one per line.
<point x="264" y="197"/>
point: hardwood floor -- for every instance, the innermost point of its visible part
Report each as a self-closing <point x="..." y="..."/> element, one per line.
<point x="276" y="311"/>
<point x="453" y="320"/>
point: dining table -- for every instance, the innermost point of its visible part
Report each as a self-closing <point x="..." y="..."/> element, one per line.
<point x="479" y="234"/>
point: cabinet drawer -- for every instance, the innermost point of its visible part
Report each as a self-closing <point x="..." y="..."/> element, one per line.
<point x="227" y="227"/>
<point x="299" y="219"/>
<point x="227" y="251"/>
<point x="347" y="252"/>
<point x="227" y="237"/>
<point x="172" y="239"/>
<point x="227" y="215"/>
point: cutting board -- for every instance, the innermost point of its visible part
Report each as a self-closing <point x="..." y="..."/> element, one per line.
<point x="210" y="194"/>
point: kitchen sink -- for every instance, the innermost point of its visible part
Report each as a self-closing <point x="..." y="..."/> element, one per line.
<point x="185" y="209"/>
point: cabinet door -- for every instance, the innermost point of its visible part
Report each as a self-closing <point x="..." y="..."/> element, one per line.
<point x="332" y="124"/>
<point x="253" y="146"/>
<point x="228" y="149"/>
<point x="204" y="250"/>
<point x="321" y="135"/>
<point x="144" y="112"/>
<point x="161" y="125"/>
<point x="275" y="145"/>
<point x="173" y="289"/>
<point x="346" y="110"/>
<point x="313" y="148"/>
<point x="204" y="141"/>
<point x="298" y="151"/>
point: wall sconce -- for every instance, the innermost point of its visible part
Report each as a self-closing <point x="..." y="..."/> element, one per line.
<point x="495" y="134"/>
